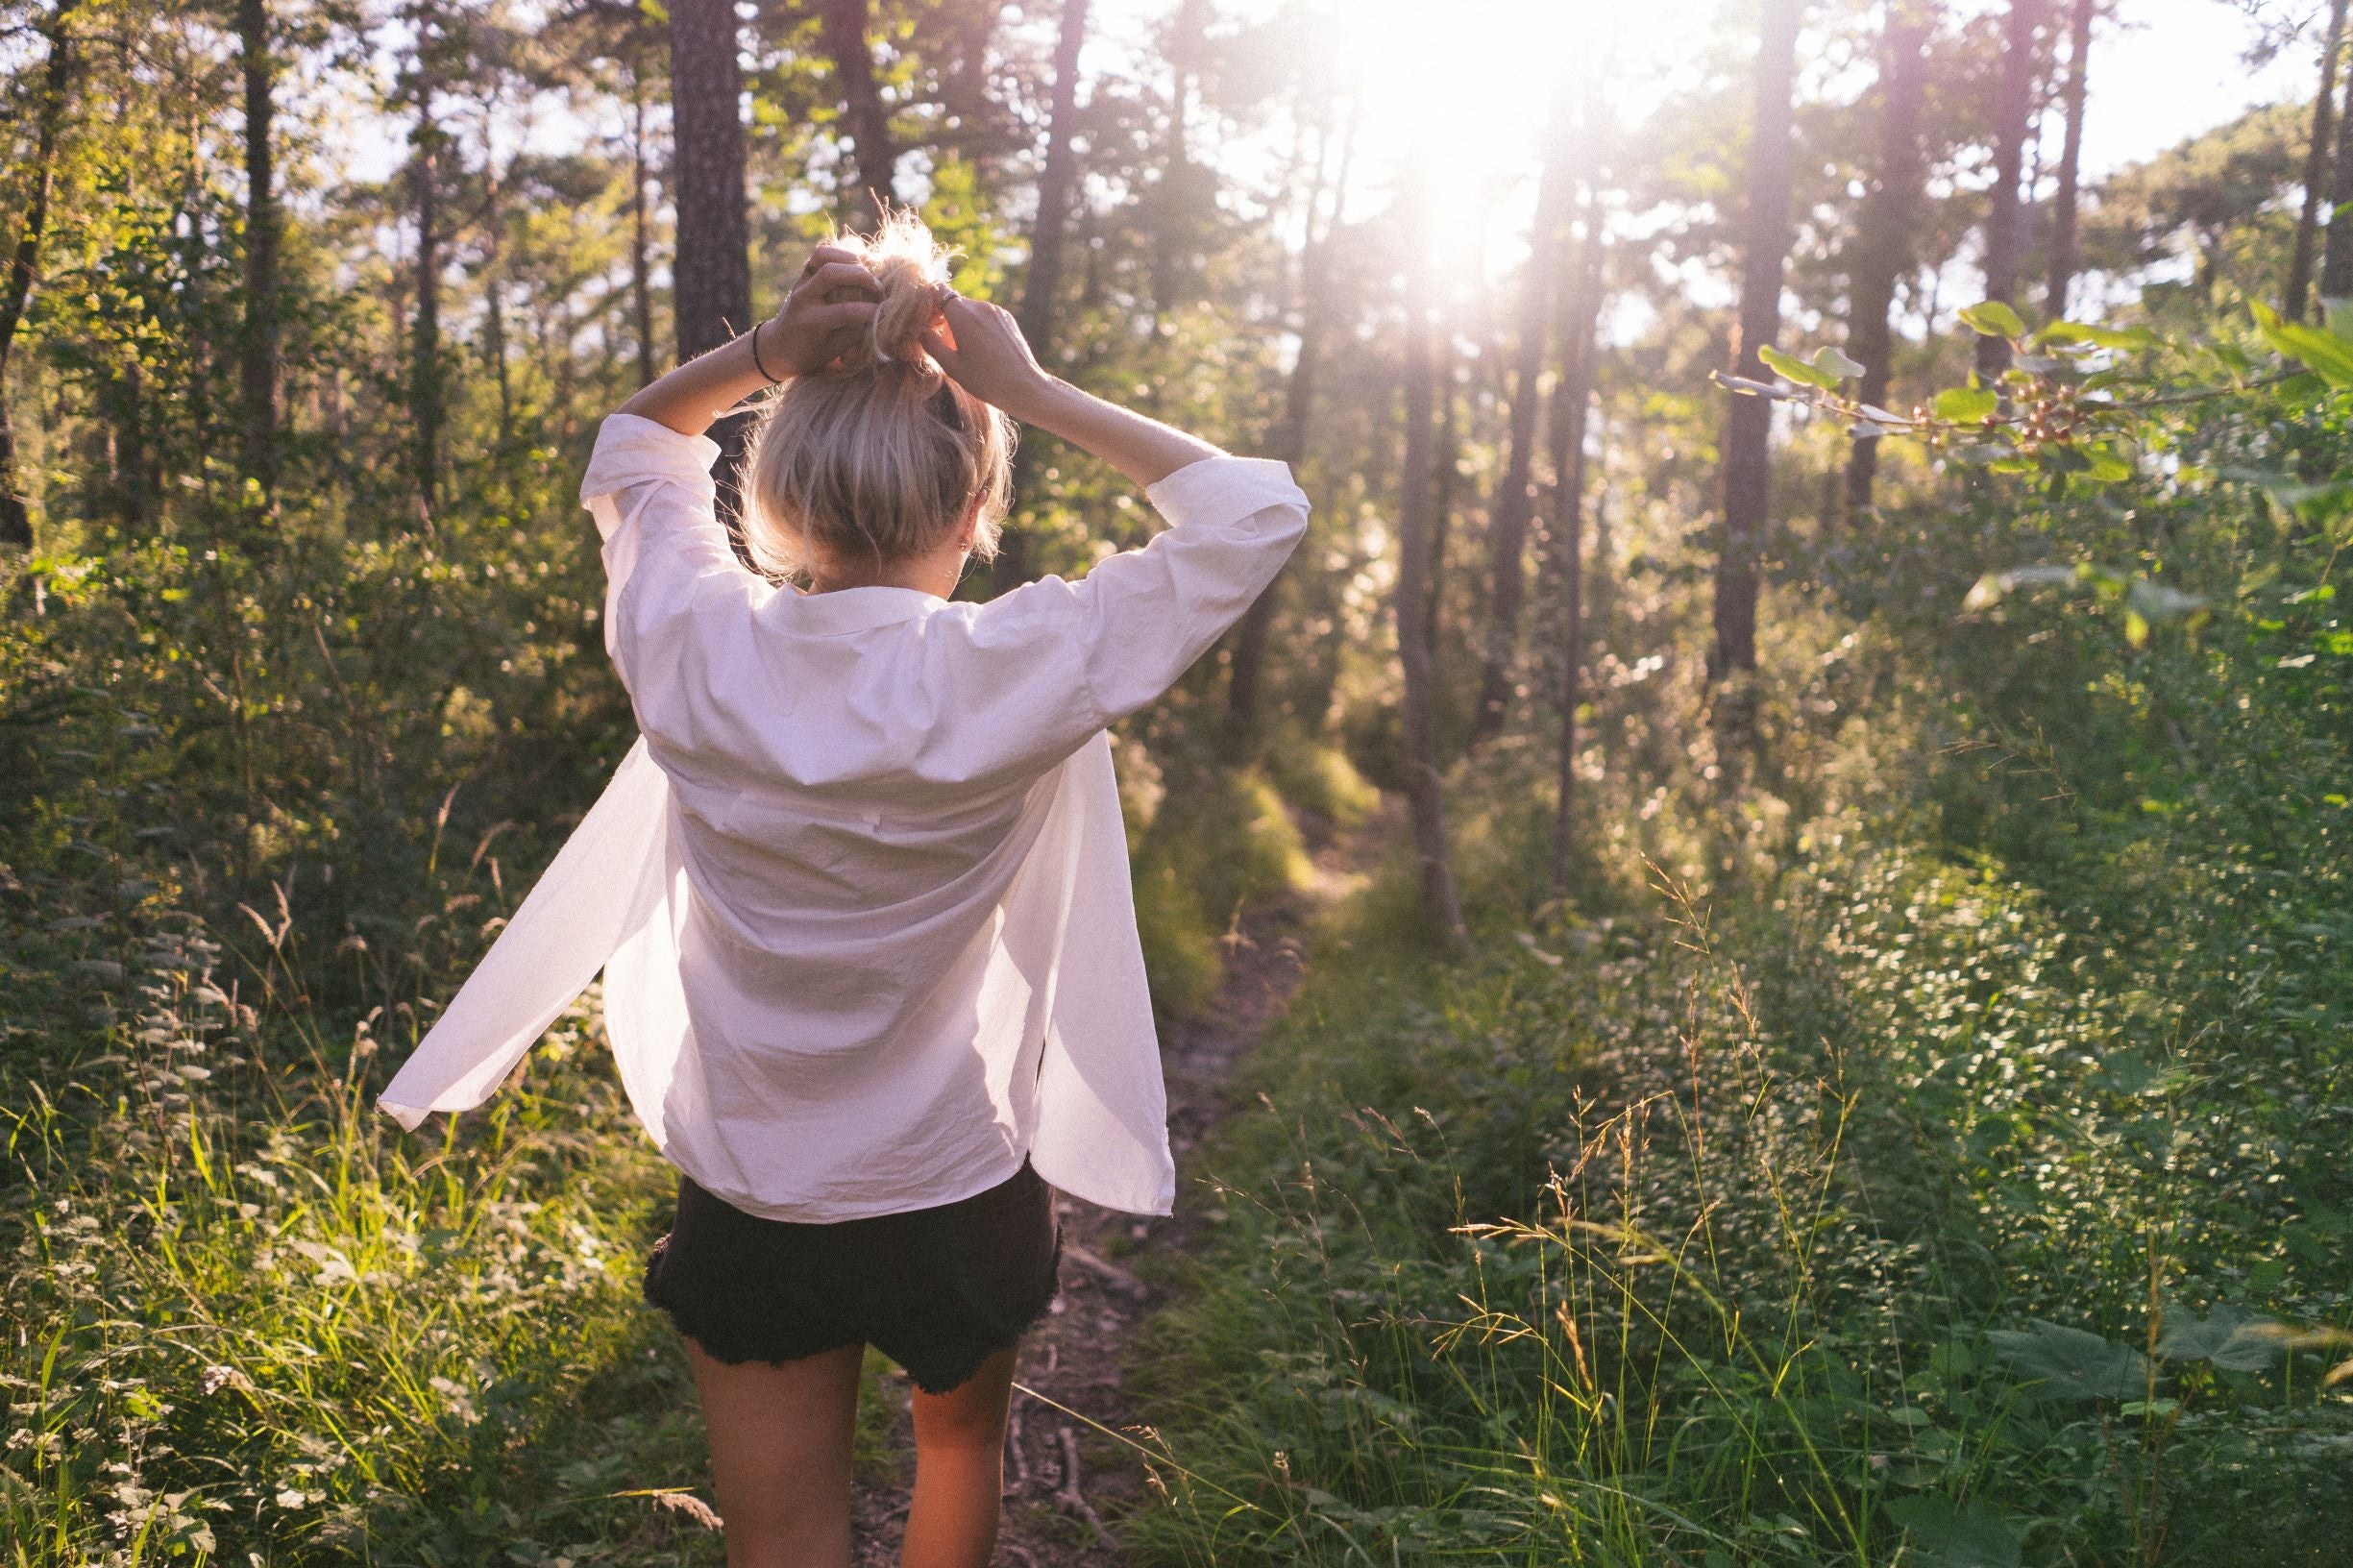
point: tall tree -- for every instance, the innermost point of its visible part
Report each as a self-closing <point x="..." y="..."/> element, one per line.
<point x="2063" y="206"/>
<point x="25" y="256"/>
<point x="1057" y="184"/>
<point x="711" y="271"/>
<point x="1883" y="226"/>
<point x="641" y="224"/>
<point x="2317" y="170"/>
<point x="1425" y="790"/>
<point x="1516" y="495"/>
<point x="428" y="402"/>
<point x="873" y="168"/>
<point x="1288" y="442"/>
<point x="2337" y="246"/>
<point x="257" y="357"/>
<point x="1747" y="427"/>
<point x="1582" y="314"/>
<point x="1041" y="289"/>
<point x="2005" y="224"/>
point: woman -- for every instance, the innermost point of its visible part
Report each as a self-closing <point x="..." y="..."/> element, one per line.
<point x="860" y="893"/>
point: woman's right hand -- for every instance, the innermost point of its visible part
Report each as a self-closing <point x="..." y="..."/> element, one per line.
<point x="981" y="346"/>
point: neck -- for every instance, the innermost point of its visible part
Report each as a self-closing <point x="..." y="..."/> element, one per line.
<point x="935" y="572"/>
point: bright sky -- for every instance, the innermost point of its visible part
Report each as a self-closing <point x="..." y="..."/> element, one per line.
<point x="1473" y="77"/>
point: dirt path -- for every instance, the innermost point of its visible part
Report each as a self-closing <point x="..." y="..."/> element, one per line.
<point x="1078" y="1358"/>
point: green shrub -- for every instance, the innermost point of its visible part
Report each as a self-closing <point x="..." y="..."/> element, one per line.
<point x="1180" y="948"/>
<point x="1230" y="841"/>
<point x="1317" y="777"/>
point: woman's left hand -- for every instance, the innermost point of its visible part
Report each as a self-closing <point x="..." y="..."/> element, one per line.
<point x="831" y="303"/>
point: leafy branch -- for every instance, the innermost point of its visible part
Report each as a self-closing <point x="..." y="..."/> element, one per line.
<point x="2053" y="409"/>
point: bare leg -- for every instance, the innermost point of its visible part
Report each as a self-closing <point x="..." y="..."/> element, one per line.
<point x="780" y="1440"/>
<point x="959" y="1470"/>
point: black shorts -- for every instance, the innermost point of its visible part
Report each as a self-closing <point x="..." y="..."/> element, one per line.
<point x="937" y="1290"/>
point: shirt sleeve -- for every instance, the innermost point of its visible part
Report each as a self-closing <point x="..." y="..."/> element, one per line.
<point x="1145" y="615"/>
<point x="650" y="492"/>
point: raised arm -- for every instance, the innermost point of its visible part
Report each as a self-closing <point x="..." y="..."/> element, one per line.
<point x="831" y="303"/>
<point x="981" y="346"/>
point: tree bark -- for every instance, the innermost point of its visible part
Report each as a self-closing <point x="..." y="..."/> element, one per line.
<point x="711" y="271"/>
<point x="2005" y="213"/>
<point x="1425" y="793"/>
<point x="1883" y="228"/>
<point x="1446" y="472"/>
<point x="1041" y="289"/>
<point x="1056" y="182"/>
<point x="257" y="368"/>
<point x="2064" y="204"/>
<point x="2319" y="180"/>
<point x="24" y="260"/>
<point x="1515" y="498"/>
<point x="425" y="369"/>
<point x="873" y="158"/>
<point x="1747" y="428"/>
<point x="2337" y="252"/>
<point x="641" y="266"/>
<point x="1571" y="407"/>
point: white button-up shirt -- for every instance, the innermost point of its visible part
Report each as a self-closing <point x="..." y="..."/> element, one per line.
<point x="860" y="892"/>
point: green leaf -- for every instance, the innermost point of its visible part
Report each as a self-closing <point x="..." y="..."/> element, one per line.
<point x="1832" y="362"/>
<point x="1965" y="404"/>
<point x="2123" y="339"/>
<point x="2189" y="1337"/>
<point x="2322" y="353"/>
<point x="1795" y="369"/>
<point x="2072" y="1364"/>
<point x="1972" y="1536"/>
<point x="2108" y="468"/>
<point x="1992" y="318"/>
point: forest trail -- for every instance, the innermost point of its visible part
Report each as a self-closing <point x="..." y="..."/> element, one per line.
<point x="1080" y="1356"/>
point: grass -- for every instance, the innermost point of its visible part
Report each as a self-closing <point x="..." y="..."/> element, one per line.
<point x="1956" y="1179"/>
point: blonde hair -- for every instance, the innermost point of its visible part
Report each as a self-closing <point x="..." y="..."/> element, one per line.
<point x="880" y="455"/>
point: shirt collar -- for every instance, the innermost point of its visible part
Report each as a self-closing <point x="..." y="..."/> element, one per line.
<point x="860" y="609"/>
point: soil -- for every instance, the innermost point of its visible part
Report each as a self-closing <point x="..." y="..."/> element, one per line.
<point x="1115" y="1273"/>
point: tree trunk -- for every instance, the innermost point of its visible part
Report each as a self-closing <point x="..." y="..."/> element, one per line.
<point x="258" y="358"/>
<point x="1441" y="908"/>
<point x="24" y="261"/>
<point x="873" y="159"/>
<point x="2005" y="225"/>
<point x="1447" y="470"/>
<point x="493" y="287"/>
<point x="2319" y="181"/>
<point x="1040" y="291"/>
<point x="641" y="266"/>
<point x="1571" y="406"/>
<point x="1245" y="681"/>
<point x="1515" y="497"/>
<point x="1056" y="182"/>
<point x="711" y="271"/>
<point x="2062" y="210"/>
<point x="1883" y="228"/>
<point x="424" y="370"/>
<point x="1747" y="428"/>
<point x="1177" y="199"/>
<point x="2337" y="255"/>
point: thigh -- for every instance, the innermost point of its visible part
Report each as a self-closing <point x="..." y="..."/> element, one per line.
<point x="971" y="1415"/>
<point x="781" y="1455"/>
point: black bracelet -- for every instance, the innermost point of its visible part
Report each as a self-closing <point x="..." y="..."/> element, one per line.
<point x="755" y="355"/>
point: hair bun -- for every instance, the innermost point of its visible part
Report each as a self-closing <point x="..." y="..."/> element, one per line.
<point x="913" y="269"/>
